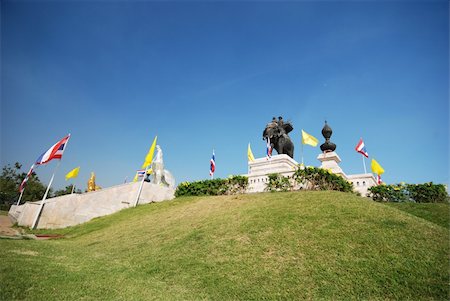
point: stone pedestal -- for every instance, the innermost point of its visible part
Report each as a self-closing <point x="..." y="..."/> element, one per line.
<point x="362" y="182"/>
<point x="331" y="160"/>
<point x="261" y="167"/>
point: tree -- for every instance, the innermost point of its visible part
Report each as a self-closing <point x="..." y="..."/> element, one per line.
<point x="66" y="190"/>
<point x="10" y="181"/>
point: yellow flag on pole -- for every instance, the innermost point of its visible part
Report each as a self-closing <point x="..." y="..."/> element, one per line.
<point x="73" y="173"/>
<point x="250" y="156"/>
<point x="149" y="157"/>
<point x="309" y="139"/>
<point x="376" y="167"/>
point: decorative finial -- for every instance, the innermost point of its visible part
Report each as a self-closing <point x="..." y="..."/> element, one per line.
<point x="328" y="146"/>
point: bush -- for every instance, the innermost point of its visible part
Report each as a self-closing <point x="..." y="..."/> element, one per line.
<point x="418" y="193"/>
<point x="314" y="178"/>
<point x="232" y="185"/>
<point x="278" y="182"/>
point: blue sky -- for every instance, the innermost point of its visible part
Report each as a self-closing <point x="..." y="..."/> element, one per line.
<point x="204" y="75"/>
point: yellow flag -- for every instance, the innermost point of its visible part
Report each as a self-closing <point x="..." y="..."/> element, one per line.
<point x="73" y="173"/>
<point x="376" y="167"/>
<point x="308" y="139"/>
<point x="250" y="156"/>
<point x="149" y="157"/>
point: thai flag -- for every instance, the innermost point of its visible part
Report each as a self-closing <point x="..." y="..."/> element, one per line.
<point x="379" y="181"/>
<point x="268" y="149"/>
<point x="140" y="173"/>
<point x="361" y="148"/>
<point x="212" y="167"/>
<point x="54" y="152"/>
<point x="24" y="182"/>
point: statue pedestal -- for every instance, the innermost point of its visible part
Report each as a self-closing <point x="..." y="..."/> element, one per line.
<point x="331" y="160"/>
<point x="261" y="167"/>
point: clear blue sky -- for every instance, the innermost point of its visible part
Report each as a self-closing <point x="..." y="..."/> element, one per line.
<point x="204" y="75"/>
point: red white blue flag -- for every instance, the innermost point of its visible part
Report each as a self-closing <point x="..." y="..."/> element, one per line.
<point x="268" y="149"/>
<point x="212" y="166"/>
<point x="54" y="152"/>
<point x="24" y="182"/>
<point x="379" y="181"/>
<point x="361" y="148"/>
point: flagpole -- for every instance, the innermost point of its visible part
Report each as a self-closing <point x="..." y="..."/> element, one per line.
<point x="20" y="197"/>
<point x="33" y="226"/>
<point x="302" y="154"/>
<point x="140" y="187"/>
<point x="73" y="188"/>
<point x="364" y="163"/>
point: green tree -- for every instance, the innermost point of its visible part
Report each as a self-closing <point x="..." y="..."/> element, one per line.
<point x="66" y="190"/>
<point x="10" y="180"/>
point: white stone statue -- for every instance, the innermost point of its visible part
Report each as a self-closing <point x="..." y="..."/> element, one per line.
<point x="160" y="175"/>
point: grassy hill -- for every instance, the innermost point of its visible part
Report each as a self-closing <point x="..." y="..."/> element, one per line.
<point x="297" y="245"/>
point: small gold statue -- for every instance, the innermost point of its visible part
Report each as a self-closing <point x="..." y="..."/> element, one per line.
<point x="91" y="183"/>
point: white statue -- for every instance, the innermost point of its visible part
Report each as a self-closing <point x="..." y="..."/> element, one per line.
<point x="160" y="175"/>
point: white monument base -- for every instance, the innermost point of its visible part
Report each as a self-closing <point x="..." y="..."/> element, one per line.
<point x="361" y="182"/>
<point x="259" y="170"/>
<point x="74" y="209"/>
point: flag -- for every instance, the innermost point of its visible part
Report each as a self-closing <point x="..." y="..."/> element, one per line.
<point x="212" y="167"/>
<point x="149" y="157"/>
<point x="73" y="173"/>
<point x="309" y="139"/>
<point x="376" y="167"/>
<point x="139" y="174"/>
<point x="250" y="156"/>
<point x="24" y="182"/>
<point x="268" y="149"/>
<point x="361" y="148"/>
<point x="379" y="181"/>
<point x="54" y="152"/>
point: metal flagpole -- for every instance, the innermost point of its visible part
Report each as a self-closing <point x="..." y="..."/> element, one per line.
<point x="73" y="188"/>
<point x="302" y="155"/>
<point x="364" y="163"/>
<point x="20" y="197"/>
<point x="33" y="226"/>
<point x="36" y="218"/>
<point x="140" y="187"/>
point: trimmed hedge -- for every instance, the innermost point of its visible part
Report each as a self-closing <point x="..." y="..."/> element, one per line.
<point x="231" y="185"/>
<point x="417" y="193"/>
<point x="278" y="182"/>
<point x="314" y="178"/>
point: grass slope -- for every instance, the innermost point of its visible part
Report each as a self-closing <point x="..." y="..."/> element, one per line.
<point x="299" y="245"/>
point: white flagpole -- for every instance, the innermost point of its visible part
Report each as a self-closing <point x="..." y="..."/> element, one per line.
<point x="73" y="188"/>
<point x="364" y="163"/>
<point x="20" y="197"/>
<point x="33" y="226"/>
<point x="140" y="187"/>
<point x="302" y="155"/>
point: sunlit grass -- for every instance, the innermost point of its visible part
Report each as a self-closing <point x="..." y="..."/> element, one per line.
<point x="300" y="245"/>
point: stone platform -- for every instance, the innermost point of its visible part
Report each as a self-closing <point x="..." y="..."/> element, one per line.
<point x="74" y="209"/>
<point x="259" y="169"/>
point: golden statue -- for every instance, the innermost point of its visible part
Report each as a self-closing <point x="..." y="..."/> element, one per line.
<point x="91" y="183"/>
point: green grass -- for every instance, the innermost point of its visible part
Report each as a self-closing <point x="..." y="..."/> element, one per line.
<point x="297" y="245"/>
<point x="436" y="213"/>
<point x="3" y="212"/>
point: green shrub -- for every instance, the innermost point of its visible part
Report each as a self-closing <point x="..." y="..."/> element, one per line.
<point x="232" y="185"/>
<point x="314" y="178"/>
<point x="418" y="193"/>
<point x="278" y="182"/>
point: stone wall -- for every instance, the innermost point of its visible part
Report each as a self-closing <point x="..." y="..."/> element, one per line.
<point x="74" y="209"/>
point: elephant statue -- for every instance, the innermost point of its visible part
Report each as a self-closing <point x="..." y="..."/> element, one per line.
<point x="277" y="132"/>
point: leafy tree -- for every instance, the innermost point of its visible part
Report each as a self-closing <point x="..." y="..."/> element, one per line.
<point x="66" y="190"/>
<point x="10" y="180"/>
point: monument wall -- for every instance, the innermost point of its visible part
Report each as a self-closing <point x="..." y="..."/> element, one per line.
<point x="74" y="209"/>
